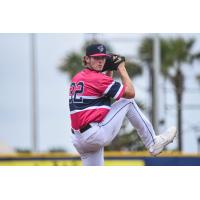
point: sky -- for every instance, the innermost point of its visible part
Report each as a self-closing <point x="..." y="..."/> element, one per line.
<point x="53" y="111"/>
<point x="15" y="73"/>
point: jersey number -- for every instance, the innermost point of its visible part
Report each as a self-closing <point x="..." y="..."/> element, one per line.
<point x="75" y="91"/>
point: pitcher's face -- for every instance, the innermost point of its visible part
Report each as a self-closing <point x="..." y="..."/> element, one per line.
<point x="96" y="62"/>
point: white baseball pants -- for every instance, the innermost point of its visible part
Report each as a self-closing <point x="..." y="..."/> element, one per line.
<point x="90" y="144"/>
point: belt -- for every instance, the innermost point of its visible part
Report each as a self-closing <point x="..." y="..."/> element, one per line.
<point x="83" y="129"/>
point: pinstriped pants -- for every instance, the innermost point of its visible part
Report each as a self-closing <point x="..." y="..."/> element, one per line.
<point x="90" y="144"/>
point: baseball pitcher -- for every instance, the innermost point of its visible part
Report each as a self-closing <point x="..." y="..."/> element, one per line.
<point x="94" y="121"/>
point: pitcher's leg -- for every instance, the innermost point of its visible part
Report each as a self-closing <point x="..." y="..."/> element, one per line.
<point x="142" y="124"/>
<point x="114" y="119"/>
<point x="93" y="158"/>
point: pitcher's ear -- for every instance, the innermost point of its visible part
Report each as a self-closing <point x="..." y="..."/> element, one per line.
<point x="85" y="60"/>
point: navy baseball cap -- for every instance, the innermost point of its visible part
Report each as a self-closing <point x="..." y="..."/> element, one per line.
<point x="96" y="50"/>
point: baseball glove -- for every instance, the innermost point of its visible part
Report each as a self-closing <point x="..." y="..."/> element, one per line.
<point x="112" y="62"/>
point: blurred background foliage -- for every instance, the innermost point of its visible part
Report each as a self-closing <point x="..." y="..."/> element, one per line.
<point x="175" y="52"/>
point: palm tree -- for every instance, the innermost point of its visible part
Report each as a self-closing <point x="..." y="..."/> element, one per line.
<point x="181" y="53"/>
<point x="72" y="64"/>
<point x="174" y="53"/>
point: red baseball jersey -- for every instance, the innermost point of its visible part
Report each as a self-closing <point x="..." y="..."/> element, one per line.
<point x="90" y="97"/>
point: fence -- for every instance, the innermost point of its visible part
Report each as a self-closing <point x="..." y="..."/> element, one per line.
<point x="111" y="159"/>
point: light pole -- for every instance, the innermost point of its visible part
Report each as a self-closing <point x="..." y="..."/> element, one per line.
<point x="34" y="116"/>
<point x="155" y="86"/>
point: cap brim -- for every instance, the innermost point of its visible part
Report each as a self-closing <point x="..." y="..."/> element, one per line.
<point x="99" y="54"/>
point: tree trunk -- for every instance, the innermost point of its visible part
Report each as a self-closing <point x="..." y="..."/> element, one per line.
<point x="178" y="81"/>
<point x="150" y="90"/>
<point x="179" y="121"/>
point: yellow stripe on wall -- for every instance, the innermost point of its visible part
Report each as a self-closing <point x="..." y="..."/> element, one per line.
<point x="124" y="163"/>
<point x="71" y="163"/>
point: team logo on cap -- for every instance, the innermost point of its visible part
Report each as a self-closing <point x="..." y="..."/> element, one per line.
<point x="101" y="48"/>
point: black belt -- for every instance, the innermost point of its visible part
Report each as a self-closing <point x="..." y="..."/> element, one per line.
<point x="83" y="129"/>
